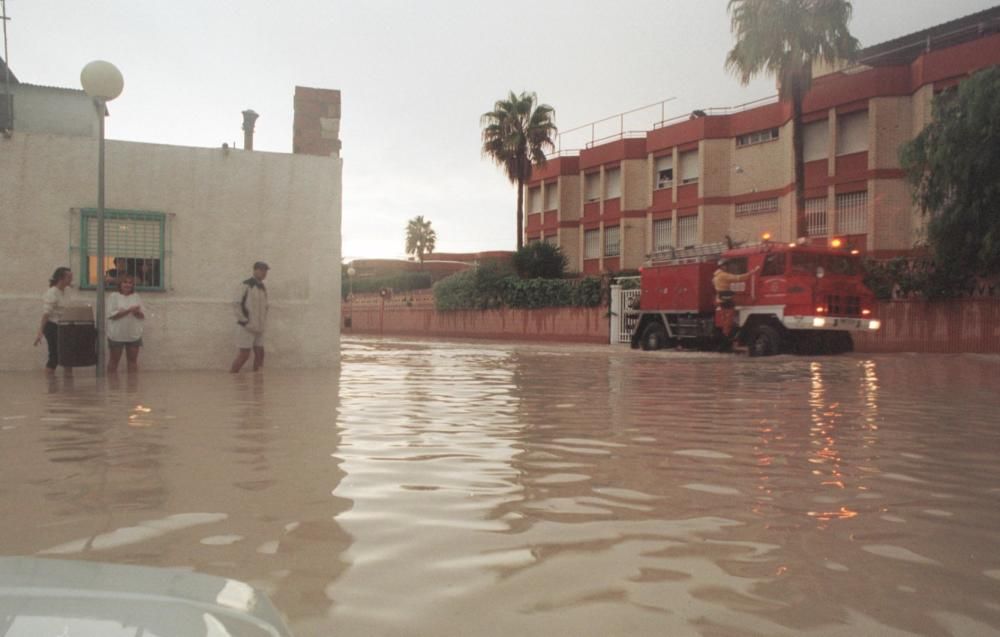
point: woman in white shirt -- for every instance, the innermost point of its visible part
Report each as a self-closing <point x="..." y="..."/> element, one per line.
<point x="54" y="301"/>
<point x="125" y="316"/>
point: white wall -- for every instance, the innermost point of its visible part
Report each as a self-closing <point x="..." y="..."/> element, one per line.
<point x="226" y="209"/>
<point x="46" y="109"/>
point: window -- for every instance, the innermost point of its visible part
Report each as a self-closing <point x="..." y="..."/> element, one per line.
<point x="591" y="244"/>
<point x="757" y="137"/>
<point x="816" y="217"/>
<point x="774" y="264"/>
<point x="551" y="196"/>
<point x="551" y="239"/>
<point x="852" y="133"/>
<point x="814" y="140"/>
<point x="535" y="199"/>
<point x="689" y="167"/>
<point x="687" y="231"/>
<point x="663" y="234"/>
<point x="737" y="265"/>
<point x="613" y="183"/>
<point x="762" y="206"/>
<point x="664" y="172"/>
<point x="612" y="241"/>
<point x="807" y="263"/>
<point x="135" y="240"/>
<point x="592" y="187"/>
<point x="852" y="213"/>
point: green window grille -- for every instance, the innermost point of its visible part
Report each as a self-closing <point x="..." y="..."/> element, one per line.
<point x="134" y="241"/>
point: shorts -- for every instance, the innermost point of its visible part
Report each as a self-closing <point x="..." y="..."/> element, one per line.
<point x="245" y="339"/>
<point x="113" y="344"/>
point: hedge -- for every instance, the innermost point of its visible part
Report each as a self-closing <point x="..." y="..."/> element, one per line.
<point x="493" y="286"/>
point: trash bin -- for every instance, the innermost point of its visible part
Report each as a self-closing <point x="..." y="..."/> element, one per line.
<point x="76" y="336"/>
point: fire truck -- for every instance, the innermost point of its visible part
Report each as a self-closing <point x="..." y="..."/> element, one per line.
<point x="796" y="298"/>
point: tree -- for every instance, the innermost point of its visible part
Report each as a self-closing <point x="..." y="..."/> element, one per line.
<point x="515" y="135"/>
<point x="954" y="168"/>
<point x="540" y="260"/>
<point x="420" y="237"/>
<point x="784" y="38"/>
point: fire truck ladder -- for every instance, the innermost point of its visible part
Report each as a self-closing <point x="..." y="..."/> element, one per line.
<point x="688" y="254"/>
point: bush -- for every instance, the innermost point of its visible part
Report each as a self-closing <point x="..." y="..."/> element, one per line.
<point x="540" y="260"/>
<point x="628" y="279"/>
<point x="476" y="289"/>
<point x="491" y="286"/>
<point x="916" y="277"/>
<point x="881" y="277"/>
<point x="398" y="282"/>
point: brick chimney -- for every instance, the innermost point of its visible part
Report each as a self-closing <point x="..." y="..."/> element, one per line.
<point x="317" y="121"/>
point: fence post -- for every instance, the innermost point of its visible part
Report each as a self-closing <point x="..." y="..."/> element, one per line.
<point x="617" y="316"/>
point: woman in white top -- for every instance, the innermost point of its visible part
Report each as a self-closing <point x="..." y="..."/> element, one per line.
<point x="125" y="316"/>
<point x="54" y="301"/>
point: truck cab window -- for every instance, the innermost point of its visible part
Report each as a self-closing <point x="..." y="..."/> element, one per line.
<point x="843" y="265"/>
<point x="774" y="265"/>
<point x="804" y="262"/>
<point x="738" y="265"/>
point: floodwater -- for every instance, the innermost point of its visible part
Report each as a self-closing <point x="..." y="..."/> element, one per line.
<point x="454" y="488"/>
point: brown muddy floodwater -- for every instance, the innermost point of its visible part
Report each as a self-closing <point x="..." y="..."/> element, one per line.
<point x="452" y="488"/>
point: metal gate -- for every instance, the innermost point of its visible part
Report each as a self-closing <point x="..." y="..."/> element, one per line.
<point x="624" y="316"/>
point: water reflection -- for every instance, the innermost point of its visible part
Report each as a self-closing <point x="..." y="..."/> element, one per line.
<point x="465" y="488"/>
<point x="196" y="470"/>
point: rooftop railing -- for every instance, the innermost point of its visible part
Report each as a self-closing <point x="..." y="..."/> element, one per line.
<point x="631" y="133"/>
<point x="717" y="110"/>
<point x="621" y="133"/>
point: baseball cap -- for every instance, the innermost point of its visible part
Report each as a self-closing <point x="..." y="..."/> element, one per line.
<point x="260" y="265"/>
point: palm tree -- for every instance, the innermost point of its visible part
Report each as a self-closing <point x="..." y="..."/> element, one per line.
<point x="515" y="135"/>
<point x="420" y="237"/>
<point x="784" y="38"/>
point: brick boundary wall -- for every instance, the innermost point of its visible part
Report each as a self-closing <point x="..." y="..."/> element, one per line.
<point x="961" y="326"/>
<point x="949" y="327"/>
<point x="413" y="314"/>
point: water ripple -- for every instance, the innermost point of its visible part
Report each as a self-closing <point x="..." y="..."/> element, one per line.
<point x="496" y="489"/>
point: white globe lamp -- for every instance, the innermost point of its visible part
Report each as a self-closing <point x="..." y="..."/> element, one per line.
<point x="102" y="80"/>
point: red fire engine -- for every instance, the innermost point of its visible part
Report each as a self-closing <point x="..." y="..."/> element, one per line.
<point x="796" y="298"/>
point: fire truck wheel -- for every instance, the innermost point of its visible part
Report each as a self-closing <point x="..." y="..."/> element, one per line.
<point x="764" y="341"/>
<point x="653" y="337"/>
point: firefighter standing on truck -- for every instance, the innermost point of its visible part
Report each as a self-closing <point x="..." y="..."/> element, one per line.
<point x="722" y="281"/>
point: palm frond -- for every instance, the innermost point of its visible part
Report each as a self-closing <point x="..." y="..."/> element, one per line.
<point x="783" y="38"/>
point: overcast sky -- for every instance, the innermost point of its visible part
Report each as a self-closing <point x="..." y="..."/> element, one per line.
<point x="415" y="78"/>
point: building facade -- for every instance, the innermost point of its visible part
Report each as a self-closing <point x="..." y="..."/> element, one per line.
<point x="722" y="173"/>
<point x="188" y="222"/>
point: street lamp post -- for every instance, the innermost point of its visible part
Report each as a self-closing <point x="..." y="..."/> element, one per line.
<point x="103" y="82"/>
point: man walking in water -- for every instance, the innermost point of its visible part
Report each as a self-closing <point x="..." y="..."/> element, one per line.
<point x="251" y="317"/>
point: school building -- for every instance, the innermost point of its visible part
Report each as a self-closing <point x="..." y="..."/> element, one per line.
<point x="729" y="172"/>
